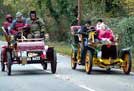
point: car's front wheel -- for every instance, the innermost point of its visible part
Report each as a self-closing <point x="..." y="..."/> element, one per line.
<point x="88" y="62"/>
<point x="127" y="63"/>
<point x="73" y="59"/>
<point x="9" y="63"/>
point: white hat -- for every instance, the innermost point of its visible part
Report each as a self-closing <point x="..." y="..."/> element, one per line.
<point x="18" y="14"/>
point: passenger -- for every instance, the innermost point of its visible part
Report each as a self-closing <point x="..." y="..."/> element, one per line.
<point x="19" y="24"/>
<point x="99" y="24"/>
<point x="105" y="34"/>
<point x="6" y="24"/>
<point x="37" y="26"/>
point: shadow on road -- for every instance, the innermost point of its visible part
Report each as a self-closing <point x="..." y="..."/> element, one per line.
<point x="31" y="72"/>
<point x="104" y="72"/>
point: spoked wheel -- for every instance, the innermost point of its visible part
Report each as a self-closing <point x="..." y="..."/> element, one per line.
<point x="9" y="63"/>
<point x="127" y="63"/>
<point x="2" y="63"/>
<point x="88" y="62"/>
<point x="73" y="59"/>
<point x="54" y="62"/>
<point x="44" y="65"/>
<point x="78" y="55"/>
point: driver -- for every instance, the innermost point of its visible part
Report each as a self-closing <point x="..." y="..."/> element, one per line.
<point x="37" y="26"/>
<point x="83" y="31"/>
<point x="18" y="25"/>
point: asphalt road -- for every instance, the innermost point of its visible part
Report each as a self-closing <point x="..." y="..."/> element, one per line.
<point x="34" y="78"/>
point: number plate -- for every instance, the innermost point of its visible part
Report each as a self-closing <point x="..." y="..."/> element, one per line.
<point x="36" y="58"/>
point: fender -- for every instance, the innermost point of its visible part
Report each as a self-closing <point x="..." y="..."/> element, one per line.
<point x="74" y="47"/>
<point x="93" y="51"/>
<point x="126" y="50"/>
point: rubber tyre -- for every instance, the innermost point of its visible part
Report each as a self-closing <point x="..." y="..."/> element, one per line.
<point x="54" y="62"/>
<point x="9" y="63"/>
<point x="73" y="60"/>
<point x="44" y="65"/>
<point x="108" y="70"/>
<point x="2" y="63"/>
<point x="128" y="64"/>
<point x="88" y="62"/>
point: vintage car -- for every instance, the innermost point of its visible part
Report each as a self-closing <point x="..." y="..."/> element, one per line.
<point x="104" y="54"/>
<point x="27" y="51"/>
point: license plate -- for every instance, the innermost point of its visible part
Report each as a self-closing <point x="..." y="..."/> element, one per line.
<point x="24" y="54"/>
<point x="28" y="59"/>
<point x="36" y="58"/>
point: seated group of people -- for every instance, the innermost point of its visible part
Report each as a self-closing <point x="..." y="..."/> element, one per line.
<point x="30" y="26"/>
<point x="104" y="33"/>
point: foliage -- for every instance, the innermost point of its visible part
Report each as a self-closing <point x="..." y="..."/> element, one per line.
<point x="59" y="14"/>
<point x="127" y="31"/>
<point x="129" y="7"/>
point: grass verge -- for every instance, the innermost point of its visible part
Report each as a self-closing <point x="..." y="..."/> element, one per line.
<point x="61" y="47"/>
<point x="133" y="64"/>
<point x="2" y="38"/>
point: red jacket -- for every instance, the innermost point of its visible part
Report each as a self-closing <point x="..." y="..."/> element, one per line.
<point x="6" y="24"/>
<point x="105" y="34"/>
<point x="17" y="26"/>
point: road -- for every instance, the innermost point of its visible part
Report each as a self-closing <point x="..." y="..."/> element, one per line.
<point x="34" y="78"/>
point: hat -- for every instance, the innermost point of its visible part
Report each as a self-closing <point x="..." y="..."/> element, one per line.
<point x="88" y="22"/>
<point x="8" y="16"/>
<point x="18" y="14"/>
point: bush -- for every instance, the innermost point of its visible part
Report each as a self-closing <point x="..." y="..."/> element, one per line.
<point x="126" y="27"/>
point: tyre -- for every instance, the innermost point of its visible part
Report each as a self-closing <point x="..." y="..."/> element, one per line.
<point x="88" y="62"/>
<point x="127" y="63"/>
<point x="73" y="60"/>
<point x="108" y="69"/>
<point x="9" y="63"/>
<point x="53" y="62"/>
<point x="44" y="65"/>
<point x="2" y="63"/>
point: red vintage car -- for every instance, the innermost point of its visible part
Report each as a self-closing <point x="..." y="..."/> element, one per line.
<point x="27" y="51"/>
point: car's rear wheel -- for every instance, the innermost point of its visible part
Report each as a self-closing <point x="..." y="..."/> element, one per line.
<point x="88" y="62"/>
<point x="127" y="63"/>
<point x="9" y="63"/>
<point x="54" y="62"/>
<point x="108" y="69"/>
<point x="73" y="59"/>
<point x="44" y="65"/>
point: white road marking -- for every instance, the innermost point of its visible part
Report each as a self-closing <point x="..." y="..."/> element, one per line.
<point x="87" y="88"/>
<point x="65" y="78"/>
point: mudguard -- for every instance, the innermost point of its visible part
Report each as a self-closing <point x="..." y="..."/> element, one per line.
<point x="93" y="51"/>
<point x="74" y="47"/>
<point x="125" y="50"/>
